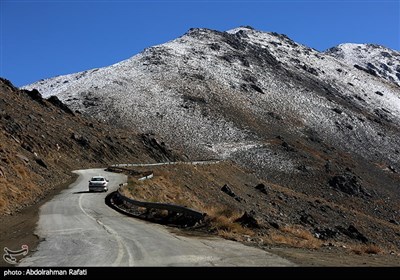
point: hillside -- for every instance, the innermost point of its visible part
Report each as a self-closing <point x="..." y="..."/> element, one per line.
<point x="42" y="141"/>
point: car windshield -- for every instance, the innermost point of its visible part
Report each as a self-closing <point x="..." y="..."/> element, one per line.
<point x="97" y="179"/>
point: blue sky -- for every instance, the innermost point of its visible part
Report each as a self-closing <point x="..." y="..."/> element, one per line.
<point x="42" y="39"/>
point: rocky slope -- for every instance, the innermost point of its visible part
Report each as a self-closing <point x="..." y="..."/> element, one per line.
<point x="42" y="141"/>
<point x="298" y="118"/>
<point x="374" y="59"/>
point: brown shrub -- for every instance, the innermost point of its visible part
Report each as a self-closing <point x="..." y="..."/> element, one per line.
<point x="294" y="236"/>
<point x="360" y="249"/>
<point x="221" y="220"/>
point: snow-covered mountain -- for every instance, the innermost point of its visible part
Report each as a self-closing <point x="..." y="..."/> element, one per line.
<point x="374" y="59"/>
<point x="230" y="94"/>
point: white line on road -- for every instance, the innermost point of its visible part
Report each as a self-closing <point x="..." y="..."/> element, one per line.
<point x="121" y="244"/>
<point x="66" y="231"/>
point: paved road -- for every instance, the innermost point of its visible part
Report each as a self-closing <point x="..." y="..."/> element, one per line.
<point x="80" y="230"/>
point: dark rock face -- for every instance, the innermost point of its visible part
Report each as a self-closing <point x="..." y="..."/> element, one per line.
<point x="8" y="83"/>
<point x="35" y="95"/>
<point x="275" y="116"/>
<point x="347" y="183"/>
<point x="391" y="168"/>
<point x="82" y="140"/>
<point x="246" y="53"/>
<point x="337" y="110"/>
<point x="41" y="163"/>
<point x="57" y="102"/>
<point x="256" y="88"/>
<point x="214" y="46"/>
<point x="383" y="116"/>
<point x="306" y="218"/>
<point x="288" y="147"/>
<point x="226" y="189"/>
<point x="367" y="70"/>
<point x="261" y="188"/>
<point x="159" y="150"/>
<point x="248" y="220"/>
<point x="353" y="233"/>
<point x="325" y="233"/>
<point x="274" y="224"/>
<point x="310" y="70"/>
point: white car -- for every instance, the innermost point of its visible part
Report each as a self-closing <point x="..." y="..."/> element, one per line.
<point x="98" y="184"/>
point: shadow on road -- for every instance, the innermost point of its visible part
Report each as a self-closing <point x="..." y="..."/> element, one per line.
<point x="81" y="192"/>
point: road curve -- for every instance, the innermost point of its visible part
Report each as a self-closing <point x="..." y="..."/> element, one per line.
<point x="78" y="229"/>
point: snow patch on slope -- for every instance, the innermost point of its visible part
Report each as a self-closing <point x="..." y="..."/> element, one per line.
<point x="377" y="59"/>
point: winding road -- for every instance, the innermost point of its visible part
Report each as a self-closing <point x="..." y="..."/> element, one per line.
<point x="77" y="228"/>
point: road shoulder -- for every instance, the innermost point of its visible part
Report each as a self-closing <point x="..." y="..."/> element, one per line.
<point x="19" y="228"/>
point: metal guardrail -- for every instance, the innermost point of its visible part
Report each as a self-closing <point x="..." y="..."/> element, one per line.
<point x="166" y="163"/>
<point x="162" y="206"/>
<point x="149" y="176"/>
<point x="157" y="205"/>
<point x="145" y="175"/>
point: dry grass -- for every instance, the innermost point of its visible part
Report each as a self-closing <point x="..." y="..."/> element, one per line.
<point x="13" y="195"/>
<point x="222" y="221"/>
<point x="160" y="189"/>
<point x="220" y="218"/>
<point x="198" y="187"/>
<point x="294" y="236"/>
<point x="20" y="171"/>
<point x="360" y="249"/>
<point x="4" y="199"/>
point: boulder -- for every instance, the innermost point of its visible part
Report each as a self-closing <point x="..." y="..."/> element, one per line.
<point x="57" y="102"/>
<point x="41" y="163"/>
<point x="248" y="220"/>
<point x="353" y="233"/>
<point x="83" y="141"/>
<point x="34" y="94"/>
<point x="261" y="188"/>
<point x="226" y="189"/>
<point x="347" y="183"/>
<point x="325" y="233"/>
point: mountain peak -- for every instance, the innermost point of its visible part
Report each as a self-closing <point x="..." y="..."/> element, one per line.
<point x="240" y="28"/>
<point x="375" y="59"/>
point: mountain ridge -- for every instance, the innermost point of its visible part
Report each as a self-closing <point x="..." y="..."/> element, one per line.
<point x="158" y="55"/>
<point x="380" y="61"/>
